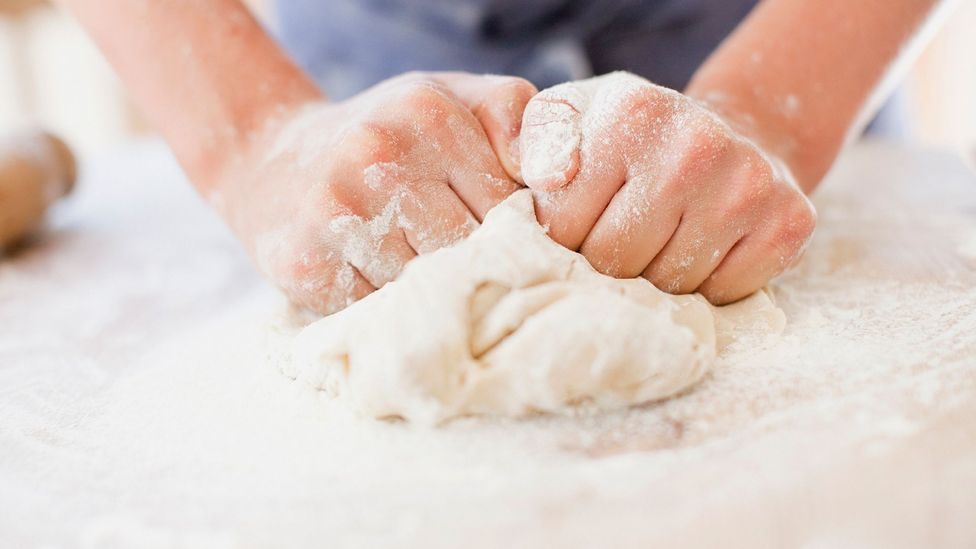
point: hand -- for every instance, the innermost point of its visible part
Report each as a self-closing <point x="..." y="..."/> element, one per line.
<point x="644" y="181"/>
<point x="333" y="202"/>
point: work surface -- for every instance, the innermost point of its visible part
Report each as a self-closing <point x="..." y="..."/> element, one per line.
<point x="139" y="406"/>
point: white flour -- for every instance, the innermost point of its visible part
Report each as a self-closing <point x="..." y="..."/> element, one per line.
<point x="967" y="248"/>
<point x="139" y="409"/>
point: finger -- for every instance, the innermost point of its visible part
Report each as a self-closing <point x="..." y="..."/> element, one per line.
<point x="308" y="264"/>
<point x="415" y="217"/>
<point x="691" y="255"/>
<point x="391" y="254"/>
<point x="419" y="217"/>
<point x="571" y="212"/>
<point x="471" y="167"/>
<point x="325" y="284"/>
<point x="552" y="133"/>
<point x="561" y="124"/>
<point x="708" y="228"/>
<point x="498" y="102"/>
<point x="751" y="264"/>
<point x="620" y="133"/>
<point x="376" y="246"/>
<point x="747" y="267"/>
<point x="435" y="217"/>
<point x="597" y="173"/>
<point x="764" y="253"/>
<point x="445" y="142"/>
<point x="632" y="230"/>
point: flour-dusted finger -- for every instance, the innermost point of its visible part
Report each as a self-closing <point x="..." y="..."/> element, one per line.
<point x="321" y="281"/>
<point x="760" y="256"/>
<point x="498" y="103"/>
<point x="622" y="128"/>
<point x="633" y="228"/>
<point x="695" y="249"/>
<point x="434" y="217"/>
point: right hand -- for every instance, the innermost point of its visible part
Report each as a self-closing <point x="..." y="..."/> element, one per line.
<point x="333" y="203"/>
<point x="645" y="181"/>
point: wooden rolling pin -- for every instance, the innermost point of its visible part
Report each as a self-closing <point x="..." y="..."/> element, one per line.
<point x="36" y="169"/>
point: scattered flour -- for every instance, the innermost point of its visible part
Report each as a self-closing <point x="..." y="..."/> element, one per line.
<point x="139" y="408"/>
<point x="967" y="249"/>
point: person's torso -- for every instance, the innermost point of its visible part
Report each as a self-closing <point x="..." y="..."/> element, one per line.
<point x="348" y="45"/>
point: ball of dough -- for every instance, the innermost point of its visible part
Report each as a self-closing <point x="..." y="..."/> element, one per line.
<point x="509" y="323"/>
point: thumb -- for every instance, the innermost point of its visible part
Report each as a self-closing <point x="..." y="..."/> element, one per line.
<point x="551" y="135"/>
<point x="498" y="102"/>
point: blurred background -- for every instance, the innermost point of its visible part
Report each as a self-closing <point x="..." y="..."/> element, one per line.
<point x="52" y="76"/>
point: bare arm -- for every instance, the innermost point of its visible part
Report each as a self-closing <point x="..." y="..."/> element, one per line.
<point x="259" y="140"/>
<point x="802" y="77"/>
<point x="690" y="192"/>
<point x="204" y="71"/>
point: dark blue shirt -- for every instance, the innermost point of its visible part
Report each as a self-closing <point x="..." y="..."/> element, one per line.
<point x="348" y="45"/>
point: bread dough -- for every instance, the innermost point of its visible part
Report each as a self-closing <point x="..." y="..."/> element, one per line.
<point x="508" y="322"/>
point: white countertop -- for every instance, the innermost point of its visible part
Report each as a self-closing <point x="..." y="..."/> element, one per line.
<point x="138" y="407"/>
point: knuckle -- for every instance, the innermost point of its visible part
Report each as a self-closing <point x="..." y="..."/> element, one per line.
<point x="743" y="198"/>
<point x="716" y="294"/>
<point x="725" y="290"/>
<point x="799" y="221"/>
<point x="515" y="87"/>
<point x="342" y="196"/>
<point x="705" y="148"/>
<point x="806" y="215"/>
<point x="751" y="187"/>
<point x="756" y="168"/>
<point x="321" y="291"/>
<point x="507" y="103"/>
<point x="393" y="84"/>
<point x="665" y="275"/>
<point x="422" y="94"/>
<point x="637" y="100"/>
<point x="791" y="233"/>
<point x="710" y="141"/>
<point x="369" y="143"/>
<point x="668" y="190"/>
<point x="602" y="259"/>
<point x="388" y="177"/>
<point x="702" y="151"/>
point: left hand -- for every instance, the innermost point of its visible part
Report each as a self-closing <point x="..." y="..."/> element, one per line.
<point x="335" y="199"/>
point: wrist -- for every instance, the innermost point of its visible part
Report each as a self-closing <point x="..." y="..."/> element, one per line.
<point x="776" y="129"/>
<point x="249" y="131"/>
<point x="270" y="166"/>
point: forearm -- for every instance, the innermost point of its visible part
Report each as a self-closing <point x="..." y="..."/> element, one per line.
<point x="802" y="77"/>
<point x="204" y="72"/>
